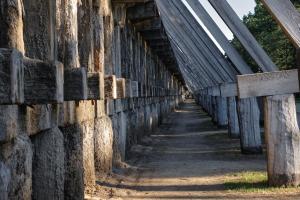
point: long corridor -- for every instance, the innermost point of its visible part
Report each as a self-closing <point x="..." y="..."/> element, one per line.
<point x="187" y="157"/>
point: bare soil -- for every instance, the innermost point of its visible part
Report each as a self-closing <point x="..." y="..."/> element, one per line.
<point x="187" y="157"/>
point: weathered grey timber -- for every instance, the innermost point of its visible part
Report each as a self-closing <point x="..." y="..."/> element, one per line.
<point x="43" y="82"/>
<point x="283" y="140"/>
<point x="121" y="90"/>
<point x="243" y="34"/>
<point x="268" y="83"/>
<point x="12" y="77"/>
<point x="287" y="17"/>
<point x="75" y="84"/>
<point x="233" y="126"/>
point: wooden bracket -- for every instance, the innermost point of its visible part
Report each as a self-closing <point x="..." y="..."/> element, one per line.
<point x="268" y="83"/>
<point x="75" y="84"/>
<point x="11" y="77"/>
<point x="43" y="82"/>
<point x="228" y="89"/>
<point x="128" y="91"/>
<point x="135" y="89"/>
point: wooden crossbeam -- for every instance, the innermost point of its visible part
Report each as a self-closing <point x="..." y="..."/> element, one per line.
<point x="75" y="84"/>
<point x="43" y="82"/>
<point x="11" y="77"/>
<point x="153" y="35"/>
<point x="94" y="86"/>
<point x="228" y="90"/>
<point x="135" y="89"/>
<point x="110" y="86"/>
<point x="287" y="17"/>
<point x="149" y="25"/>
<point x="121" y="88"/>
<point x="268" y="83"/>
<point x="142" y="12"/>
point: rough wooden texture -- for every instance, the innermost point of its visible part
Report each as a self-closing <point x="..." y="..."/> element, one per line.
<point x="233" y="123"/>
<point x="287" y="17"/>
<point x="48" y="165"/>
<point x="228" y="90"/>
<point x="75" y="84"/>
<point x="39" y="118"/>
<point x="268" y="83"/>
<point x="134" y="88"/>
<point x="43" y="82"/>
<point x="110" y="86"/>
<point x="103" y="145"/>
<point x="222" y="118"/>
<point x="283" y="140"/>
<point x="248" y="114"/>
<point x="12" y="77"/>
<point x="121" y="88"/>
<point x="11" y="24"/>
<point x="243" y="34"/>
<point x="128" y="90"/>
<point x="94" y="86"/>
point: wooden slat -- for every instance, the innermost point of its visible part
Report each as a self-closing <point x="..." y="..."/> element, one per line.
<point x="244" y="35"/>
<point x="121" y="88"/>
<point x="228" y="89"/>
<point x="110" y="87"/>
<point x="11" y="77"/>
<point x="75" y="84"/>
<point x="287" y="16"/>
<point x="43" y="82"/>
<point x="241" y="66"/>
<point x="268" y="83"/>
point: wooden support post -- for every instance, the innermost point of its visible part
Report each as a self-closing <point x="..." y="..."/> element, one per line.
<point x="43" y="82"/>
<point x="110" y="87"/>
<point x="75" y="84"/>
<point x="248" y="114"/>
<point x="283" y="140"/>
<point x="233" y="122"/>
<point x="222" y="117"/>
<point x="12" y="77"/>
<point x="134" y="88"/>
<point x="94" y="86"/>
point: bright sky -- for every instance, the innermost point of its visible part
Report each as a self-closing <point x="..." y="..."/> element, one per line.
<point x="241" y="7"/>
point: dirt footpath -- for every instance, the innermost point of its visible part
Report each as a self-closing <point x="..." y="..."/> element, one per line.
<point x="186" y="158"/>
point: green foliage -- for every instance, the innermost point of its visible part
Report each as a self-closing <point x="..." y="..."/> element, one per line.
<point x="270" y="36"/>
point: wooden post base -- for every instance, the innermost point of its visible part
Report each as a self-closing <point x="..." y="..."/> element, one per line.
<point x="248" y="114"/>
<point x="283" y="140"/>
<point x="233" y="122"/>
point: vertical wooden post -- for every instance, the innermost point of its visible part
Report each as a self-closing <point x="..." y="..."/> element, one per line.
<point x="233" y="123"/>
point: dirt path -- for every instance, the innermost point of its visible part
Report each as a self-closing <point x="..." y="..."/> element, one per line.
<point x="186" y="158"/>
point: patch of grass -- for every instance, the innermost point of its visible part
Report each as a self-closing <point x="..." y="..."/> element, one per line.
<point x="254" y="181"/>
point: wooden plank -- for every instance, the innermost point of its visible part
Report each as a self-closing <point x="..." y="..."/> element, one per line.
<point x="228" y="90"/>
<point x="142" y="12"/>
<point x="287" y="16"/>
<point x="215" y="91"/>
<point x="75" y="84"/>
<point x="94" y="87"/>
<point x="43" y="82"/>
<point x="241" y="66"/>
<point x="128" y="91"/>
<point x="268" y="83"/>
<point x="243" y="34"/>
<point x="135" y="89"/>
<point x="110" y="87"/>
<point x="11" y="77"/>
<point x="121" y="88"/>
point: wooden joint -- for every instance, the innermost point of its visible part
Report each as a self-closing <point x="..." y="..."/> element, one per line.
<point x="121" y="89"/>
<point x="94" y="86"/>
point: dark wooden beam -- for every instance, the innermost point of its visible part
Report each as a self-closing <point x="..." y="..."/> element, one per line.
<point x="43" y="82"/>
<point x="75" y="84"/>
<point x="131" y="1"/>
<point x="148" y="25"/>
<point x="142" y="12"/>
<point x="94" y="86"/>
<point x="153" y="35"/>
